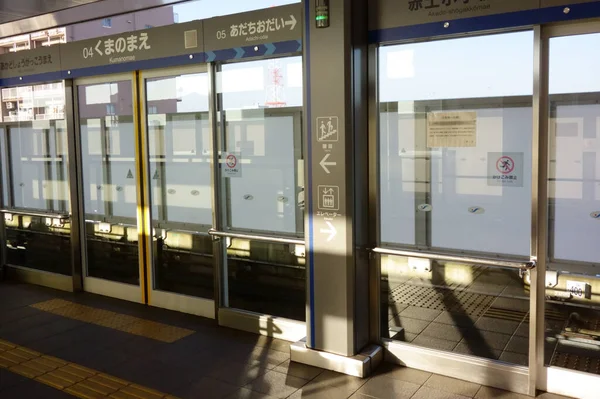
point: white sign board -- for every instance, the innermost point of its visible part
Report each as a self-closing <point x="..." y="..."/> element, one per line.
<point x="505" y="169"/>
<point x="231" y="164"/>
<point x="577" y="288"/>
<point x="452" y="129"/>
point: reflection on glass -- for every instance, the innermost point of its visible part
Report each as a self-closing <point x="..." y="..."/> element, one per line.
<point x="454" y="170"/>
<point x="180" y="150"/>
<point x="455" y="156"/>
<point x="472" y="310"/>
<point x="109" y="173"/>
<point x="267" y="278"/>
<point x="36" y="176"/>
<point x="261" y="170"/>
<point x="573" y="305"/>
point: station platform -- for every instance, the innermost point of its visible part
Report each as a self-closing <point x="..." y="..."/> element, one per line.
<point x="55" y="344"/>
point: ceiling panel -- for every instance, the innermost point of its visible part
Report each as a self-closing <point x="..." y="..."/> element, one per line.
<point x="13" y="10"/>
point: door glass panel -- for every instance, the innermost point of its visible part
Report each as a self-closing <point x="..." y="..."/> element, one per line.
<point x="573" y="297"/>
<point x="109" y="180"/>
<point x="37" y="177"/>
<point x="455" y="156"/>
<point x="180" y="150"/>
<point x="261" y="172"/>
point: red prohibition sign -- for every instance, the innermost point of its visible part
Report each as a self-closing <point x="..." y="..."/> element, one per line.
<point x="231" y="161"/>
<point x="505" y="165"/>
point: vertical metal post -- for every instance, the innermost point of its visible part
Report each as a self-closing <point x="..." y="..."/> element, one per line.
<point x="219" y="257"/>
<point x="539" y="210"/>
<point x="377" y="310"/>
<point x="75" y="186"/>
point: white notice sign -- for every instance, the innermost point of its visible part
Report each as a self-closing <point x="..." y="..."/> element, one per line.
<point x="452" y="129"/>
<point x="231" y="164"/>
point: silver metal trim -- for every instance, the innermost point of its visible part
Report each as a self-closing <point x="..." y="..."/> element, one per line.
<point x="539" y="210"/>
<point x="478" y="370"/>
<point x="254" y="237"/>
<point x="453" y="258"/>
<point x="375" y="301"/>
<point x="23" y="212"/>
<point x="113" y="224"/>
<point x="39" y="277"/>
<point x="75" y="203"/>
<point x="267" y="325"/>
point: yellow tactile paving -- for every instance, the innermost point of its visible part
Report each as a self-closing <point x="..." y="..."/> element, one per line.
<point x="116" y="321"/>
<point x="71" y="378"/>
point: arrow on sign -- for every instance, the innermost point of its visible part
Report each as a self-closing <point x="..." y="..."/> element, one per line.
<point x="239" y="52"/>
<point x="270" y="49"/>
<point x="331" y="231"/>
<point x="97" y="47"/>
<point x="210" y="56"/>
<point x="291" y="22"/>
<point x="324" y="164"/>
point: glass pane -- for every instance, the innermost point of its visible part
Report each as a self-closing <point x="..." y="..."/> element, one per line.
<point x="573" y="297"/>
<point x="455" y="156"/>
<point x="261" y="102"/>
<point x="109" y="180"/>
<point x="267" y="278"/>
<point x="180" y="150"/>
<point x="37" y="176"/>
<point x="471" y="310"/>
<point x="261" y="170"/>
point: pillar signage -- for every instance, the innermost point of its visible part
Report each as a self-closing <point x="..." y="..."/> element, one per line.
<point x="271" y="25"/>
<point x="164" y="41"/>
<point x="30" y="62"/>
<point x="395" y="13"/>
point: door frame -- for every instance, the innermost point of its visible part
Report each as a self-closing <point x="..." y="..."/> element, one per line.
<point x="132" y="293"/>
<point x="169" y="300"/>
<point x="549" y="378"/>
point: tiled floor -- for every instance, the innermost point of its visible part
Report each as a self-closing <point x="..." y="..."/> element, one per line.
<point x="485" y="316"/>
<point x="212" y="362"/>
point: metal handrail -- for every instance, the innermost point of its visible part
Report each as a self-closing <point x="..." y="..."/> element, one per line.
<point x="52" y="215"/>
<point x="111" y="223"/>
<point x="453" y="258"/>
<point x="215" y="233"/>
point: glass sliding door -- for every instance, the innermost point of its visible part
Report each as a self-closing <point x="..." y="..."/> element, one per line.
<point x="180" y="152"/>
<point x="261" y="177"/>
<point x="110" y="168"/>
<point x="455" y="181"/>
<point x="572" y="301"/>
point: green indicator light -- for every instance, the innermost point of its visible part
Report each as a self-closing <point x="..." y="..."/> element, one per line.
<point x="322" y="13"/>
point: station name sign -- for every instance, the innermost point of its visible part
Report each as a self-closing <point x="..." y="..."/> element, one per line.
<point x="271" y="25"/>
<point x="398" y="13"/>
<point x="160" y="42"/>
<point x="29" y="62"/>
<point x="394" y="13"/>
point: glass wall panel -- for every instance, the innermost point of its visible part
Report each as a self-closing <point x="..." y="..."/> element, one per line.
<point x="180" y="150"/>
<point x="573" y="296"/>
<point x="109" y="180"/>
<point x="261" y="171"/>
<point x="36" y="176"/>
<point x="455" y="176"/>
